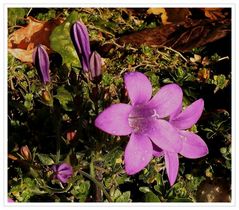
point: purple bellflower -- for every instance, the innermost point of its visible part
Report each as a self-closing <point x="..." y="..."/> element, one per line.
<point x="80" y="39"/>
<point x="192" y="145"/>
<point x="62" y="172"/>
<point x="143" y="120"/>
<point x="42" y="64"/>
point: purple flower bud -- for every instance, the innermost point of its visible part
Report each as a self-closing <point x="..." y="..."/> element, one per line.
<point x="62" y="172"/>
<point x="80" y="39"/>
<point x="42" y="64"/>
<point x="95" y="67"/>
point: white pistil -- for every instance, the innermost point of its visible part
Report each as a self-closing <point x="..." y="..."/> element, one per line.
<point x="155" y="115"/>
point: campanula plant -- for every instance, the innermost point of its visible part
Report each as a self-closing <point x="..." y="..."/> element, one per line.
<point x="144" y="120"/>
<point x="150" y="133"/>
<point x="112" y="116"/>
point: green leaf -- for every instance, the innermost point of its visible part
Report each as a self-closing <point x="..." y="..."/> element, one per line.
<point x="45" y="159"/>
<point x="61" y="41"/>
<point x="25" y="189"/>
<point x="144" y="189"/>
<point x="125" y="197"/>
<point x="151" y="197"/>
<point x="15" y="14"/>
<point x="28" y="101"/>
<point x="65" y="98"/>
<point x="81" y="190"/>
<point x="47" y="16"/>
<point x="220" y="81"/>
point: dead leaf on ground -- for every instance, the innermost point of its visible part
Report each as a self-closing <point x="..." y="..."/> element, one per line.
<point x="171" y="15"/>
<point x="183" y="38"/>
<point x="159" y="11"/>
<point x="22" y="41"/>
<point x="213" y="13"/>
<point x="12" y="157"/>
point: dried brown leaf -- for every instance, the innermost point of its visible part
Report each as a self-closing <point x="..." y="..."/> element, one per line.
<point x="170" y="15"/>
<point x="183" y="38"/>
<point x="213" y="13"/>
<point x="22" y="41"/>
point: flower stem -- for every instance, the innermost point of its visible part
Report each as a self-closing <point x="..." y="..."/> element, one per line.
<point x="58" y="135"/>
<point x="98" y="184"/>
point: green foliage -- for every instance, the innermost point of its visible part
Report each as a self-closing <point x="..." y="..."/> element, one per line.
<point x="220" y="81"/>
<point x="81" y="190"/>
<point x="118" y="196"/>
<point x="50" y="14"/>
<point x="65" y="98"/>
<point x="16" y="16"/>
<point x="24" y="190"/>
<point x="45" y="159"/>
<point x="61" y="41"/>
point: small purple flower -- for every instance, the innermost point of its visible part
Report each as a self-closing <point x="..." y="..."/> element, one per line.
<point x="42" y="64"/>
<point x="193" y="146"/>
<point x="9" y="200"/>
<point x="62" y="172"/>
<point x="95" y="66"/>
<point x="143" y="120"/>
<point x="80" y="39"/>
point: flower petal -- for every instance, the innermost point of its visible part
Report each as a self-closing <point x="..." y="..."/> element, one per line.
<point x="138" y="153"/>
<point x="193" y="145"/>
<point x="65" y="167"/>
<point x="172" y="164"/>
<point x="63" y="177"/>
<point x="164" y="135"/>
<point x="189" y="116"/>
<point x="114" y="120"/>
<point x="176" y="112"/>
<point x="157" y="152"/>
<point x="167" y="100"/>
<point x="139" y="87"/>
<point x="9" y="200"/>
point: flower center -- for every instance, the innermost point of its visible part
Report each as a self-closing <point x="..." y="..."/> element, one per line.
<point x="140" y="117"/>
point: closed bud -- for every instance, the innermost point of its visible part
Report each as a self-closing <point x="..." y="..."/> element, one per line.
<point x="70" y="135"/>
<point x="42" y="64"/>
<point x="25" y="152"/>
<point x="95" y="67"/>
<point x="80" y="39"/>
<point x="46" y="96"/>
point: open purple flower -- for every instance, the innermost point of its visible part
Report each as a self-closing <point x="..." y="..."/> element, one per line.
<point x="143" y="120"/>
<point x="80" y="39"/>
<point x="193" y="145"/>
<point x="62" y="172"/>
<point x="42" y="64"/>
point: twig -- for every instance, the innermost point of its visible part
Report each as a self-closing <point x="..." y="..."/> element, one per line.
<point x="169" y="48"/>
<point x="96" y="183"/>
<point x="224" y="58"/>
<point x="29" y="12"/>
